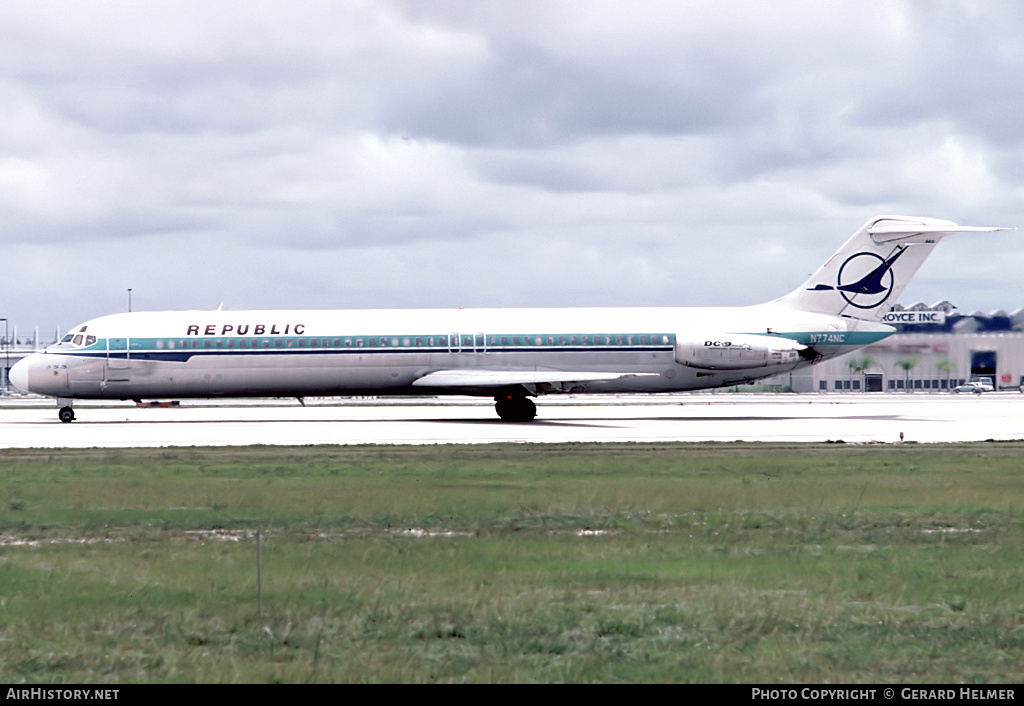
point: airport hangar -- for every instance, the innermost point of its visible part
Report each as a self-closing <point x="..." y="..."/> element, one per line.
<point x="935" y="349"/>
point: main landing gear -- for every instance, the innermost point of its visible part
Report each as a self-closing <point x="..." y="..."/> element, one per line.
<point x="514" y="408"/>
<point x="66" y="414"/>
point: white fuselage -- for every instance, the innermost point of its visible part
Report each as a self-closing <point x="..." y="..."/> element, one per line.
<point x="505" y="353"/>
<point x="179" y="354"/>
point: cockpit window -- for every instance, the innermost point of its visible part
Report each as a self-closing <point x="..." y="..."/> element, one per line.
<point x="77" y="339"/>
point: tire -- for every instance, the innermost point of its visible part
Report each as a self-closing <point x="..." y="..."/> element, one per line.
<point x="515" y="409"/>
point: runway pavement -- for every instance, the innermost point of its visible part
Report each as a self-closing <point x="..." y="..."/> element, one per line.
<point x="855" y="418"/>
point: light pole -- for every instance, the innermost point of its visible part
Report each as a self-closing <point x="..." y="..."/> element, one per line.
<point x="129" y="299"/>
<point x="7" y="351"/>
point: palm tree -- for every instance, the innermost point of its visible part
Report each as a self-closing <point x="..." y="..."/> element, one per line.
<point x="947" y="367"/>
<point x="907" y="364"/>
<point x="853" y="367"/>
<point x="859" y="365"/>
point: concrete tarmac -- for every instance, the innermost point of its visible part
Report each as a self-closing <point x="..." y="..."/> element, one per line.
<point x="853" y="418"/>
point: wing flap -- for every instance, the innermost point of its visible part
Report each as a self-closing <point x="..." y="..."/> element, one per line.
<point x="477" y="377"/>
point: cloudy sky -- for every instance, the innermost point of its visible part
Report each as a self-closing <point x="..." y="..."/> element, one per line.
<point x="473" y="153"/>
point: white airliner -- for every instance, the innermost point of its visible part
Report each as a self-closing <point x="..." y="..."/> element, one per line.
<point x="507" y="354"/>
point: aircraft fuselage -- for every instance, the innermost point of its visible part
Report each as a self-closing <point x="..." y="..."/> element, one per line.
<point x="359" y="352"/>
<point x="509" y="354"/>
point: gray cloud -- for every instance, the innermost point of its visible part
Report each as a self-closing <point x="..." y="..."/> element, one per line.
<point x="480" y="153"/>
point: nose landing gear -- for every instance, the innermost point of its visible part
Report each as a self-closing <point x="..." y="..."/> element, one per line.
<point x="66" y="414"/>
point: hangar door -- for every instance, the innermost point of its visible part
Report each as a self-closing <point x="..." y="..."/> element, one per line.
<point x="983" y="364"/>
<point x="872" y="382"/>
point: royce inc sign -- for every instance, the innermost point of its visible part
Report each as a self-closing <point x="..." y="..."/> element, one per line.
<point x="915" y="317"/>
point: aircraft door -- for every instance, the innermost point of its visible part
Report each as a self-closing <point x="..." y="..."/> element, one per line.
<point x="119" y="360"/>
<point x="467" y="343"/>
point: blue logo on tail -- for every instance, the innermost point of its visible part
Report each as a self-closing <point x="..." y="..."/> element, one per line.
<point x="865" y="280"/>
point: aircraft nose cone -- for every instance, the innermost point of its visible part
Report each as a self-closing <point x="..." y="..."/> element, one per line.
<point x="18" y="376"/>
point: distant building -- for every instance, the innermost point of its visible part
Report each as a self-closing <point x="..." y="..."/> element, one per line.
<point x="926" y="357"/>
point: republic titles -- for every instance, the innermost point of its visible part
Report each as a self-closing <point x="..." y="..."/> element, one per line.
<point x="246" y="330"/>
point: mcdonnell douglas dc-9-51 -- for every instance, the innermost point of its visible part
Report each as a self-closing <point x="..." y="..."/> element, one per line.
<point x="508" y="354"/>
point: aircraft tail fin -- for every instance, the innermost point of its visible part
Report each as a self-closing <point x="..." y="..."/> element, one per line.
<point x="866" y="275"/>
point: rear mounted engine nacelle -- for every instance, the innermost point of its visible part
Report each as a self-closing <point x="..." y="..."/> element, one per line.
<point x="737" y="352"/>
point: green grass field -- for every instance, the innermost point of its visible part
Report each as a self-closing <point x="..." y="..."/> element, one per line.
<point x="515" y="563"/>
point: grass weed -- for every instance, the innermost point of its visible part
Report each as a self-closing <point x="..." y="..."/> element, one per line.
<point x="514" y="563"/>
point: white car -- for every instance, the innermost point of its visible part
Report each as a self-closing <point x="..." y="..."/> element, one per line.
<point x="975" y="387"/>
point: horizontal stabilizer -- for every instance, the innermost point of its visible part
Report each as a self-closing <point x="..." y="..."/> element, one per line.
<point x="904" y="231"/>
<point x="501" y="378"/>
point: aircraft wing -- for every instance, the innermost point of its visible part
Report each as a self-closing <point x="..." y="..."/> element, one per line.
<point x="481" y="377"/>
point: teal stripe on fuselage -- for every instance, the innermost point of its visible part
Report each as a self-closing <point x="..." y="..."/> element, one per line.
<point x="854" y="339"/>
<point x="182" y="349"/>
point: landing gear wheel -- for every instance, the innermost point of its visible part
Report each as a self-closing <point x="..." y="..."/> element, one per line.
<point x="66" y="415"/>
<point x="512" y="408"/>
